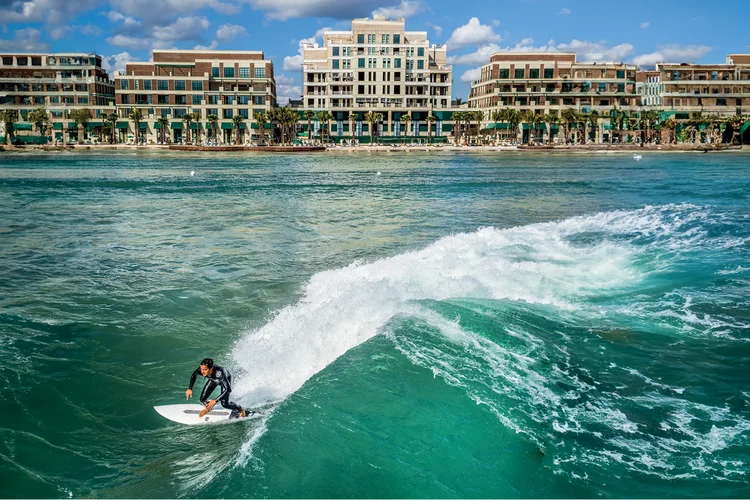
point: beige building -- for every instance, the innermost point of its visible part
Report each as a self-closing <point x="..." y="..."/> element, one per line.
<point x="378" y="67"/>
<point x="225" y="83"/>
<point x="60" y="83"/>
<point x="709" y="89"/>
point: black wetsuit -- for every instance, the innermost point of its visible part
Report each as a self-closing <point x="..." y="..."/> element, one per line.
<point x="219" y="376"/>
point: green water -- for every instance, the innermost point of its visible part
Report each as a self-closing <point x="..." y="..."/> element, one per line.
<point x="418" y="325"/>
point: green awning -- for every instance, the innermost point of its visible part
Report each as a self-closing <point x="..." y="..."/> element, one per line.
<point x="227" y="126"/>
<point x="744" y="127"/>
<point x="93" y="125"/>
<point x="23" y="126"/>
<point x="255" y="125"/>
<point x="57" y="126"/>
<point x="122" y="125"/>
<point x="703" y="126"/>
<point x="176" y="125"/>
<point x="195" y="125"/>
<point x="72" y="125"/>
<point x="491" y="126"/>
<point x="142" y="125"/>
<point x="443" y="115"/>
<point x="157" y="125"/>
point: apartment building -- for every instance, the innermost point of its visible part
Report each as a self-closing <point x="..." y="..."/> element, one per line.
<point x="721" y="90"/>
<point x="224" y="83"/>
<point x="378" y="67"/>
<point x="650" y="87"/>
<point x="60" y="83"/>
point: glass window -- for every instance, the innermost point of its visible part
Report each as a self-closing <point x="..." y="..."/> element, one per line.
<point x="244" y="72"/>
<point x="361" y="62"/>
<point x="397" y="63"/>
<point x="620" y="73"/>
<point x="229" y="99"/>
<point x="259" y="99"/>
<point x="228" y="72"/>
<point x="227" y="113"/>
<point x="534" y="73"/>
<point x="420" y="52"/>
<point x="335" y="51"/>
<point x="180" y="99"/>
<point x="124" y="84"/>
<point x="197" y="85"/>
<point x="197" y="98"/>
<point x="260" y="72"/>
<point x="504" y="73"/>
<point x="83" y="100"/>
<point x="146" y="84"/>
<point x="549" y="72"/>
<point x="125" y="99"/>
<point x="179" y="84"/>
<point x="360" y="38"/>
<point x="162" y="99"/>
<point x="396" y="38"/>
<point x="519" y="73"/>
<point x="162" y="85"/>
<point x="420" y="64"/>
<point x="244" y="113"/>
<point x="335" y="63"/>
<point x="179" y="113"/>
<point x="215" y="72"/>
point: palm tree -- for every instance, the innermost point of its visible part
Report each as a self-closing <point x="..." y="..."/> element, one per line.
<point x="163" y="122"/>
<point x="82" y="117"/>
<point x="9" y="117"/>
<point x="514" y="119"/>
<point x="324" y="117"/>
<point x="40" y="119"/>
<point x="371" y="120"/>
<point x="136" y="116"/>
<point x="261" y="119"/>
<point x="458" y="101"/>
<point x="291" y="117"/>
<point x="404" y="119"/>
<point x="309" y="116"/>
<point x="112" y="120"/>
<point x="213" y="121"/>
<point x="236" y="124"/>
<point x="497" y="116"/>
<point x="197" y="119"/>
<point x="187" y="118"/>
<point x="569" y="117"/>
<point x="430" y="120"/>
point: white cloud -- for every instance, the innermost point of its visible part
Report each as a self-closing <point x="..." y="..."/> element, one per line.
<point x="228" y="32"/>
<point x="60" y="32"/>
<point x="480" y="57"/>
<point x="116" y="62"/>
<point x="471" y="33"/>
<point x="496" y="22"/>
<point x="282" y="79"/>
<point x="406" y="8"/>
<point x="188" y="28"/>
<point x="161" y="12"/>
<point x="127" y="21"/>
<point x="437" y="29"/>
<point x="91" y="30"/>
<point x="471" y="75"/>
<point x="597" y="51"/>
<point x="645" y="25"/>
<point x="210" y="46"/>
<point x="284" y="92"/>
<point x="25" y="40"/>
<point x="336" y="9"/>
<point x="53" y="12"/>
<point x="673" y="53"/>
<point x="565" y="11"/>
<point x="294" y="63"/>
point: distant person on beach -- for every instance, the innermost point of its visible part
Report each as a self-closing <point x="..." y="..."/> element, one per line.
<point x="217" y="376"/>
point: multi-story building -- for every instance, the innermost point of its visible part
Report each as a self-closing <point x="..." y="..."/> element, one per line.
<point x="378" y="67"/>
<point x="59" y="83"/>
<point x="709" y="89"/>
<point x="650" y="88"/>
<point x="547" y="83"/>
<point x="224" y="83"/>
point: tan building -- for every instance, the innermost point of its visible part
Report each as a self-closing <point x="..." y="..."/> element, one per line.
<point x="709" y="89"/>
<point x="547" y="83"/>
<point x="378" y="67"/>
<point x="651" y="89"/>
<point x="225" y="83"/>
<point x="59" y="83"/>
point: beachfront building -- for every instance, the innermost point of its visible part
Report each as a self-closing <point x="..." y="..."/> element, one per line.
<point x="195" y="94"/>
<point x="650" y="87"/>
<point x="62" y="84"/>
<point x="548" y="88"/>
<point x="381" y="72"/>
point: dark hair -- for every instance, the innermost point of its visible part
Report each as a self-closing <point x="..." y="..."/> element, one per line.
<point x="208" y="362"/>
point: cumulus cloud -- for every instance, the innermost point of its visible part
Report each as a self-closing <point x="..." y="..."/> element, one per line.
<point x="597" y="51"/>
<point x="60" y="32"/>
<point x="437" y="29"/>
<point x="287" y="88"/>
<point x="54" y="12"/>
<point x="131" y="42"/>
<point x="471" y="75"/>
<point x="228" y="32"/>
<point x="473" y="33"/>
<point x="116" y="62"/>
<point x="161" y="13"/>
<point x="24" y="40"/>
<point x="645" y="25"/>
<point x="91" y="30"/>
<point x="673" y="53"/>
<point x="210" y="46"/>
<point x="480" y="57"/>
<point x="189" y="28"/>
<point x="565" y="11"/>
<point x="405" y="9"/>
<point x="294" y="63"/>
<point x="291" y="9"/>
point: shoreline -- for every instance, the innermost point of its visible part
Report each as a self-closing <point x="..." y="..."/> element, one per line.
<point x="572" y="149"/>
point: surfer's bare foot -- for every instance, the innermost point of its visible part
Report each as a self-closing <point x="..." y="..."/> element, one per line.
<point x="204" y="411"/>
<point x="243" y="413"/>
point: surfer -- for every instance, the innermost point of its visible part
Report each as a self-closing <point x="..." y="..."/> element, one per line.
<point x="217" y="376"/>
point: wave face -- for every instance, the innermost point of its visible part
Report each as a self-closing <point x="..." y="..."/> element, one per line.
<point x="616" y="343"/>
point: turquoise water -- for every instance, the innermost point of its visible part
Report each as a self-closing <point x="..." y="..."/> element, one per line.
<point x="459" y="325"/>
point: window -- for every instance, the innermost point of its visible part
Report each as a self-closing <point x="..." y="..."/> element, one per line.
<point x="244" y="100"/>
<point x="387" y="63"/>
<point x="420" y="52"/>
<point x="228" y="72"/>
<point x="360" y="38"/>
<point x="179" y="84"/>
<point x="260" y="72"/>
<point x="179" y="113"/>
<point x="361" y="62"/>
<point x="397" y="89"/>
<point x="519" y="73"/>
<point x="81" y="87"/>
<point x="620" y="73"/>
<point x="721" y="102"/>
<point x="229" y="99"/>
<point x="83" y="100"/>
<point x="197" y="85"/>
<point x="335" y="52"/>
<point x="534" y="73"/>
<point x="397" y="63"/>
<point x="621" y="87"/>
<point x="335" y="64"/>
<point x="346" y="64"/>
<point x="370" y="38"/>
<point x="146" y="84"/>
<point x="409" y="51"/>
<point x="549" y="72"/>
<point x="603" y="102"/>
<point x="504" y="74"/>
<point x="125" y="99"/>
<point x="197" y="99"/>
<point x="420" y="64"/>
<point x="213" y="111"/>
<point x="215" y="72"/>
<point x="54" y="99"/>
<point x="180" y="99"/>
<point x="162" y="85"/>
<point x="259" y="99"/>
<point x="396" y="38"/>
<point x="124" y="84"/>
<point x="213" y="99"/>
<point x="244" y="113"/>
<point x="162" y="99"/>
<point x="372" y="62"/>
<point x="244" y="72"/>
<point x="227" y="113"/>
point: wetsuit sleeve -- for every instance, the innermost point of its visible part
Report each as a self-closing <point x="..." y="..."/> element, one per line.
<point x="193" y="377"/>
<point x="225" y="387"/>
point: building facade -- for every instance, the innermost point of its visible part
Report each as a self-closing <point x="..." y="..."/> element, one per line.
<point x="381" y="68"/>
<point x="650" y="88"/>
<point x="179" y="82"/>
<point x="59" y="83"/>
<point x="721" y="90"/>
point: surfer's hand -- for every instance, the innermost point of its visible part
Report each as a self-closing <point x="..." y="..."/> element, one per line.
<point x="211" y="403"/>
<point x="188" y="393"/>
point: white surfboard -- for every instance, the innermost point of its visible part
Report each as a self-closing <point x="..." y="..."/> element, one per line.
<point x="189" y="414"/>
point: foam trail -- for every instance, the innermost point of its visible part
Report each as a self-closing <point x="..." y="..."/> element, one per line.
<point x="343" y="308"/>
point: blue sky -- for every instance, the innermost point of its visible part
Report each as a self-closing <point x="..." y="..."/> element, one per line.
<point x="641" y="32"/>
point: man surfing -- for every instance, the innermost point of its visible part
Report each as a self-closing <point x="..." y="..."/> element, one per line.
<point x="217" y="376"/>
